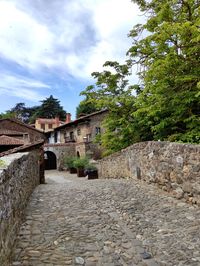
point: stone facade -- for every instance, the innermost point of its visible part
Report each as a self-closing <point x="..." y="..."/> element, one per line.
<point x="19" y="175"/>
<point x="76" y="138"/>
<point x="29" y="132"/>
<point x="83" y="129"/>
<point x="173" y="167"/>
<point x="60" y="151"/>
<point x="46" y="125"/>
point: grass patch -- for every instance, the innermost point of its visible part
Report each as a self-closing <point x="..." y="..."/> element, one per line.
<point x="2" y="164"/>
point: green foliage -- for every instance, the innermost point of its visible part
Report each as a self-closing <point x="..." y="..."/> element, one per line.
<point x="166" y="106"/>
<point x="20" y="112"/>
<point x="2" y="164"/>
<point x="169" y="69"/>
<point x="7" y="114"/>
<point x="69" y="161"/>
<point x="91" y="167"/>
<point x="50" y="108"/>
<point x="85" y="107"/>
<point x="81" y="162"/>
<point x="112" y="91"/>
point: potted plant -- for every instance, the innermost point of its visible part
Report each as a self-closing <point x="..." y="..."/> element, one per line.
<point x="91" y="171"/>
<point x="69" y="162"/>
<point x="80" y="164"/>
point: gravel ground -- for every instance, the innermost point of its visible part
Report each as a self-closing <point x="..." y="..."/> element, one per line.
<point x="75" y="221"/>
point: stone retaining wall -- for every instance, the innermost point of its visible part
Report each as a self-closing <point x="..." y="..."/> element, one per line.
<point x="173" y="167"/>
<point x="19" y="175"/>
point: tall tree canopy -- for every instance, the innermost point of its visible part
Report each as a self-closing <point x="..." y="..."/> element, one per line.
<point x="169" y="59"/>
<point x="112" y="91"/>
<point x="50" y="108"/>
<point x="85" y="107"/>
<point x="166" y="50"/>
<point x="21" y="112"/>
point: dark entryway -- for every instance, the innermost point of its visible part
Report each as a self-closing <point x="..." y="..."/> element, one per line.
<point x="50" y="160"/>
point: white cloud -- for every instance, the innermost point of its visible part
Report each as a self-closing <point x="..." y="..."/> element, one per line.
<point x="21" y="87"/>
<point x="23" y="39"/>
<point x="75" y="36"/>
<point x="112" y="20"/>
<point x="63" y="36"/>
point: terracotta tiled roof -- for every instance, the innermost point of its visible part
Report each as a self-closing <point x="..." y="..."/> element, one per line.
<point x="22" y="148"/>
<point x="81" y="119"/>
<point x="5" y="140"/>
<point x="21" y="123"/>
<point x="10" y="132"/>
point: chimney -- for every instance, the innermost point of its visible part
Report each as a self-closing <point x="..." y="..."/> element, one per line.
<point x="68" y="118"/>
<point x="57" y="121"/>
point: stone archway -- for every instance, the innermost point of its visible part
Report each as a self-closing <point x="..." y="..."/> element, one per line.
<point x="50" y="160"/>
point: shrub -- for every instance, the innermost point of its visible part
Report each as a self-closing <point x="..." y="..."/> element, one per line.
<point x="91" y="167"/>
<point x="81" y="162"/>
<point x="69" y="161"/>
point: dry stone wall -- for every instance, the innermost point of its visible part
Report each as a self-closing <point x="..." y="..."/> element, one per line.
<point x="19" y="175"/>
<point x="173" y="167"/>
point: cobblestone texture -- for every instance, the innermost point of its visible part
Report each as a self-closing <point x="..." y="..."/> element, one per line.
<point x="72" y="221"/>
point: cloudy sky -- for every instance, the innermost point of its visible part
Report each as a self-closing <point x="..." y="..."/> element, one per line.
<point x="52" y="46"/>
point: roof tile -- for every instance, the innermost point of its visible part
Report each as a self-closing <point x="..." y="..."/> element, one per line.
<point x="5" y="140"/>
<point x="10" y="132"/>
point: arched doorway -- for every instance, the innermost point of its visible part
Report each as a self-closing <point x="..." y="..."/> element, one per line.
<point x="78" y="154"/>
<point x="50" y="160"/>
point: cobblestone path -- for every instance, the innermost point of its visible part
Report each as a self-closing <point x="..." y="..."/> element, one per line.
<point x="75" y="221"/>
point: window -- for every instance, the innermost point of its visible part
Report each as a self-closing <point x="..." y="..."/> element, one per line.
<point x="50" y="126"/>
<point x="55" y="137"/>
<point x="71" y="135"/>
<point x="66" y="137"/>
<point x="43" y="126"/>
<point x="89" y="136"/>
<point x="98" y="130"/>
<point x="26" y="137"/>
<point x="78" y="131"/>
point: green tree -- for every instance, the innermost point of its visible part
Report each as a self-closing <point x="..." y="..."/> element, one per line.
<point x="20" y="112"/>
<point x="112" y="91"/>
<point x="7" y="114"/>
<point x="169" y="68"/>
<point x="50" y="108"/>
<point x="85" y="107"/>
<point x="23" y="113"/>
<point x="166" y="105"/>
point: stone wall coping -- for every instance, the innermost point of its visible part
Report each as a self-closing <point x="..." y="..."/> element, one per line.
<point x="58" y="144"/>
<point x="8" y="159"/>
<point x="149" y="143"/>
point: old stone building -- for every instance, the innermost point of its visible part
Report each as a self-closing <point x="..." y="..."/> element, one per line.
<point x="7" y="143"/>
<point x="14" y="134"/>
<point x="17" y="137"/>
<point x="75" y="138"/>
<point x="46" y="124"/>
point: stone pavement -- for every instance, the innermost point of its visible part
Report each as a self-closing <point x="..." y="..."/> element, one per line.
<point x="75" y="221"/>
